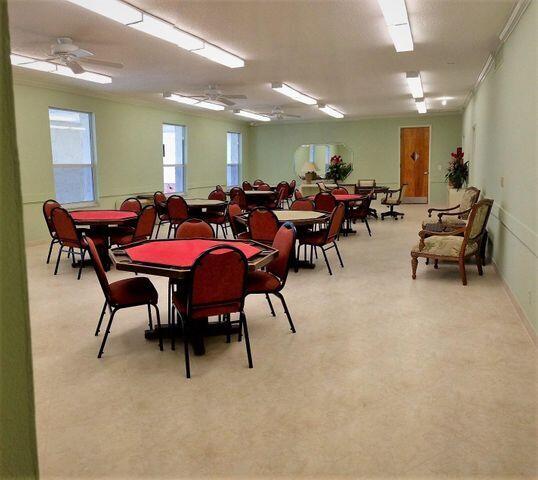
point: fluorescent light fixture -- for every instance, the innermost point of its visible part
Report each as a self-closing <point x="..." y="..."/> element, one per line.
<point x="42" y="66"/>
<point x="292" y="93"/>
<point x="218" y="55"/>
<point x="396" y="18"/>
<point x="193" y="102"/>
<point x="401" y="37"/>
<point x="330" y="111"/>
<point x="420" y="103"/>
<point x="166" y="31"/>
<point x="415" y="84"/>
<point x="252" y="115"/>
<point x="114" y="9"/>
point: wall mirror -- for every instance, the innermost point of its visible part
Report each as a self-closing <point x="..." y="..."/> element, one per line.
<point x="316" y="156"/>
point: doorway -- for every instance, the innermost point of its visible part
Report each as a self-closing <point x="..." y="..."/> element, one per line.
<point x="415" y="163"/>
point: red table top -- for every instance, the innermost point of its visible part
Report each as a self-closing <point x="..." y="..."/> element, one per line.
<point x="349" y="197"/>
<point x="181" y="253"/>
<point x="102" y="216"/>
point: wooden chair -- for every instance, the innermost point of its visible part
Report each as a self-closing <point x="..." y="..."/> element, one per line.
<point x="48" y="207"/>
<point x="456" y="245"/>
<point x="455" y="216"/>
<point x="391" y="201"/>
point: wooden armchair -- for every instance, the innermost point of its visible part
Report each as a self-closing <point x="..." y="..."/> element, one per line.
<point x="455" y="216"/>
<point x="392" y="200"/>
<point x="456" y="245"/>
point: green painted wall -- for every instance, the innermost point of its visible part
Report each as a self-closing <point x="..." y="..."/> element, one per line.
<point x="129" y="153"/>
<point x="500" y="132"/>
<point x="18" y="451"/>
<point x="375" y="144"/>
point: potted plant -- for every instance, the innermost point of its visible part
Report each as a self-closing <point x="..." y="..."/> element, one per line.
<point x="337" y="169"/>
<point x="458" y="170"/>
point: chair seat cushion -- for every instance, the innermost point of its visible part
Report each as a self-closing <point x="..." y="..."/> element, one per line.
<point x="314" y="238"/>
<point x="445" y="246"/>
<point x="133" y="291"/>
<point x="450" y="221"/>
<point x="179" y="300"/>
<point x="391" y="201"/>
<point x="261" y="282"/>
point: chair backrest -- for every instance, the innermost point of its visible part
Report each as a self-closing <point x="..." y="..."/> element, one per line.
<point x="363" y="209"/>
<point x="98" y="267"/>
<point x="304" y="204"/>
<point x="177" y="208"/>
<point x="400" y="192"/>
<point x="264" y="187"/>
<point x="65" y="228"/>
<point x="283" y="185"/>
<point x="469" y="198"/>
<point x="218" y="282"/>
<point x="131" y="204"/>
<point x="478" y="220"/>
<point x="262" y="224"/>
<point x="298" y="194"/>
<point x="238" y="196"/>
<point x="325" y="202"/>
<point x="246" y="185"/>
<point x="159" y="200"/>
<point x="258" y="181"/>
<point x="48" y="207"/>
<point x="145" y="223"/>
<point x="219" y="188"/>
<point x="335" y="222"/>
<point x="340" y="191"/>
<point x="366" y="182"/>
<point x="284" y="242"/>
<point x="217" y="195"/>
<point x="195" y="228"/>
<point x="292" y="186"/>
<point x="282" y="192"/>
<point x="233" y="210"/>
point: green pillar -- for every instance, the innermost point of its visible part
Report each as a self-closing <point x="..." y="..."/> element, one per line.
<point x="18" y="449"/>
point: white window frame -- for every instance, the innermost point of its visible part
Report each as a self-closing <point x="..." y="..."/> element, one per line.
<point x="93" y="164"/>
<point x="175" y="165"/>
<point x="240" y="158"/>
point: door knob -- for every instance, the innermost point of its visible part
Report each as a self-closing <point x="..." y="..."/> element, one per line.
<point x="426" y="173"/>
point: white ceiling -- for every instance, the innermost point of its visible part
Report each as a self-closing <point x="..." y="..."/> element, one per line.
<point x="338" y="51"/>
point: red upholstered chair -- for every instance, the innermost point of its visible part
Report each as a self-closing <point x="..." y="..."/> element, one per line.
<point x="258" y="181"/>
<point x="339" y="191"/>
<point x="195" y="228"/>
<point x="283" y="190"/>
<point x="178" y="211"/>
<point x="246" y="186"/>
<point x="131" y="205"/>
<point x="217" y="215"/>
<point x="130" y="292"/>
<point x="48" y="207"/>
<point x="143" y="229"/>
<point x="217" y="195"/>
<point x="303" y="204"/>
<point x="216" y="286"/>
<point x="361" y="211"/>
<point x="264" y="187"/>
<point x="239" y="230"/>
<point x="159" y="200"/>
<point x="325" y="239"/>
<point x="298" y="194"/>
<point x="219" y="188"/>
<point x="325" y="202"/>
<point x="237" y="195"/>
<point x="292" y="186"/>
<point x="262" y="225"/>
<point x="70" y="239"/>
<point x="273" y="279"/>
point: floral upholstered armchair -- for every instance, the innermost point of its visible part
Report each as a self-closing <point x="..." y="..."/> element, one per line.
<point x="456" y="245"/>
<point x="455" y="216"/>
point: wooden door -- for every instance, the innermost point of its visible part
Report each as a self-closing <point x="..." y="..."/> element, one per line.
<point x="415" y="163"/>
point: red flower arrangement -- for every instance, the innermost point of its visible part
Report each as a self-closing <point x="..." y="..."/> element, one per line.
<point x="338" y="170"/>
<point x="458" y="170"/>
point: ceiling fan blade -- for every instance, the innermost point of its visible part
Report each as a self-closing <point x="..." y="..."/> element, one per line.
<point x="75" y="67"/>
<point x="104" y="63"/>
<point x="81" y="53"/>
<point x="225" y="101"/>
<point x="290" y="115"/>
<point x="238" y="97"/>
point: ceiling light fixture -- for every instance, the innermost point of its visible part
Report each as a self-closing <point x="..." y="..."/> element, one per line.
<point x="49" y="67"/>
<point x="114" y="9"/>
<point x="396" y="18"/>
<point x="252" y="115"/>
<point x="330" y="111"/>
<point x="292" y="93"/>
<point x="166" y="31"/>
<point x="218" y="55"/>
<point x="420" y="103"/>
<point x="192" y="101"/>
<point x="415" y="84"/>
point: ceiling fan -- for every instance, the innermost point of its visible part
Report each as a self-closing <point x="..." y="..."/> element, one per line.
<point x="277" y="113"/>
<point x="213" y="94"/>
<point x="67" y="53"/>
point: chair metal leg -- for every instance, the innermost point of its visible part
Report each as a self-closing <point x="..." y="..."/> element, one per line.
<point x="338" y="253"/>
<point x="286" y="311"/>
<point x="270" y="305"/>
<point x="326" y="260"/>
<point x="172" y="327"/>
<point x="52" y="242"/>
<point x="160" y="330"/>
<point x="243" y="320"/>
<point x="58" y="260"/>
<point x="101" y="319"/>
<point x="82" y="253"/>
<point x="158" y="228"/>
<point x="186" y="348"/>
<point x="169" y="230"/>
<point x="150" y="320"/>
<point x="100" y="354"/>
<point x="367" y="226"/>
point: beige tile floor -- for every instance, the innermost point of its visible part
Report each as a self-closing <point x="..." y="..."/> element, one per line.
<point x="386" y="377"/>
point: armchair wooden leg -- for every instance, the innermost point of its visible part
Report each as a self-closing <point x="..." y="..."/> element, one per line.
<point x="462" y="271"/>
<point x="414" y="265"/>
<point x="479" y="264"/>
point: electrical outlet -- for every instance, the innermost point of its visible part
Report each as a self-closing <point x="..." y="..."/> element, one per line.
<point x="502" y="182"/>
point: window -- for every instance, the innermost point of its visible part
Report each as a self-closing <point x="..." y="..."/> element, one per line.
<point x="233" y="159"/>
<point x="72" y="155"/>
<point x="174" y="158"/>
